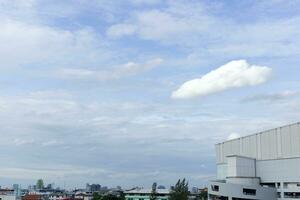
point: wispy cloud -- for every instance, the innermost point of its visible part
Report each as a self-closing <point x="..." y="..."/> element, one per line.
<point x="235" y="74"/>
<point x="271" y="97"/>
<point x="128" y="69"/>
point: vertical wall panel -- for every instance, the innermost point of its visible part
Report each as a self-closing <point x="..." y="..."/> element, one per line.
<point x="285" y="141"/>
<point x="218" y="153"/>
<point x="278" y="136"/>
<point x="264" y="139"/>
<point x="235" y="147"/>
<point x="258" y="144"/>
<point x="295" y="139"/>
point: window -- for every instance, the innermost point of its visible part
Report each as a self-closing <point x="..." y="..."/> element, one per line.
<point x="278" y="195"/>
<point x="294" y="195"/>
<point x="247" y="191"/>
<point x="214" y="197"/>
<point x="215" y="188"/>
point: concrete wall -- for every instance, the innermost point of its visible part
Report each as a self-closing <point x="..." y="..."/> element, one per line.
<point x="236" y="190"/>
<point x="240" y="166"/>
<point x="283" y="142"/>
<point x="282" y="170"/>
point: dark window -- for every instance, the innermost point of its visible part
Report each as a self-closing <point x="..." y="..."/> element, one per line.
<point x="247" y="191"/>
<point x="294" y="195"/>
<point x="278" y="195"/>
<point x="215" y="188"/>
<point x="214" y="197"/>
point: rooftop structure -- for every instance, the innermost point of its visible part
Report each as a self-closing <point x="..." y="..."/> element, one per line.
<point x="264" y="165"/>
<point x="139" y="193"/>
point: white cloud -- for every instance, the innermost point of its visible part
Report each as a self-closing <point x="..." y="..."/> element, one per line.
<point x="119" y="30"/>
<point x="178" y="23"/>
<point x="235" y="74"/>
<point x="128" y="69"/>
<point x="195" y="26"/>
<point x="27" y="43"/>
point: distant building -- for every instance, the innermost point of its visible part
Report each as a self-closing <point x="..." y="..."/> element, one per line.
<point x="144" y="194"/>
<point x="32" y="197"/>
<point x="93" y="187"/>
<point x="59" y="196"/>
<point x="17" y="191"/>
<point x="83" y="196"/>
<point x="263" y="166"/>
<point x="7" y="194"/>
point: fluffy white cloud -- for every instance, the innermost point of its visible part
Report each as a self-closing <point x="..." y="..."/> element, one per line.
<point x="235" y="74"/>
<point x="130" y="68"/>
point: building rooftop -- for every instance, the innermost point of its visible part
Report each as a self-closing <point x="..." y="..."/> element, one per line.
<point x="146" y="191"/>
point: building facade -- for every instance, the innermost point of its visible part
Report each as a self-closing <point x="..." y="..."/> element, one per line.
<point x="265" y="165"/>
<point x="144" y="194"/>
<point x="7" y="194"/>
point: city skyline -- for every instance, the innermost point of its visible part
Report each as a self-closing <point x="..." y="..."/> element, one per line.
<point x="134" y="92"/>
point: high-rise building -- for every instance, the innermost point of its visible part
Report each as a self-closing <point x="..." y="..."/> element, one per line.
<point x="264" y="166"/>
<point x="17" y="190"/>
<point x="93" y="187"/>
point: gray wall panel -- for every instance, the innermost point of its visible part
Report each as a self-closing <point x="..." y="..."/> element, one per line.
<point x="281" y="170"/>
<point x="283" y="142"/>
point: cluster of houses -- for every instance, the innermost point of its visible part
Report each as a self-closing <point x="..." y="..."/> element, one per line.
<point x="87" y="194"/>
<point x="48" y="193"/>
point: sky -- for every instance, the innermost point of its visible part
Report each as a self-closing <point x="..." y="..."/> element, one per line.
<point x="131" y="92"/>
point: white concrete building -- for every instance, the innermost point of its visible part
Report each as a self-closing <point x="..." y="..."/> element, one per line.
<point x="265" y="166"/>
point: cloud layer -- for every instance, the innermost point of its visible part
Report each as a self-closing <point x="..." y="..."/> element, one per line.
<point x="128" y="69"/>
<point x="118" y="109"/>
<point x="235" y="74"/>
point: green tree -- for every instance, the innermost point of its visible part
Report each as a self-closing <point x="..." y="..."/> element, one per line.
<point x="40" y="184"/>
<point x="180" y="191"/>
<point x="153" y="195"/>
<point x="96" y="196"/>
<point x="122" y="196"/>
<point x="203" y="195"/>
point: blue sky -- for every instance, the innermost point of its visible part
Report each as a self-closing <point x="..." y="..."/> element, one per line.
<point x="131" y="92"/>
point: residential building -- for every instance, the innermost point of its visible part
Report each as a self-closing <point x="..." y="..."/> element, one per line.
<point x="83" y="195"/>
<point x="32" y="197"/>
<point x="264" y="165"/>
<point x="144" y="194"/>
<point x="59" y="196"/>
<point x="7" y="194"/>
